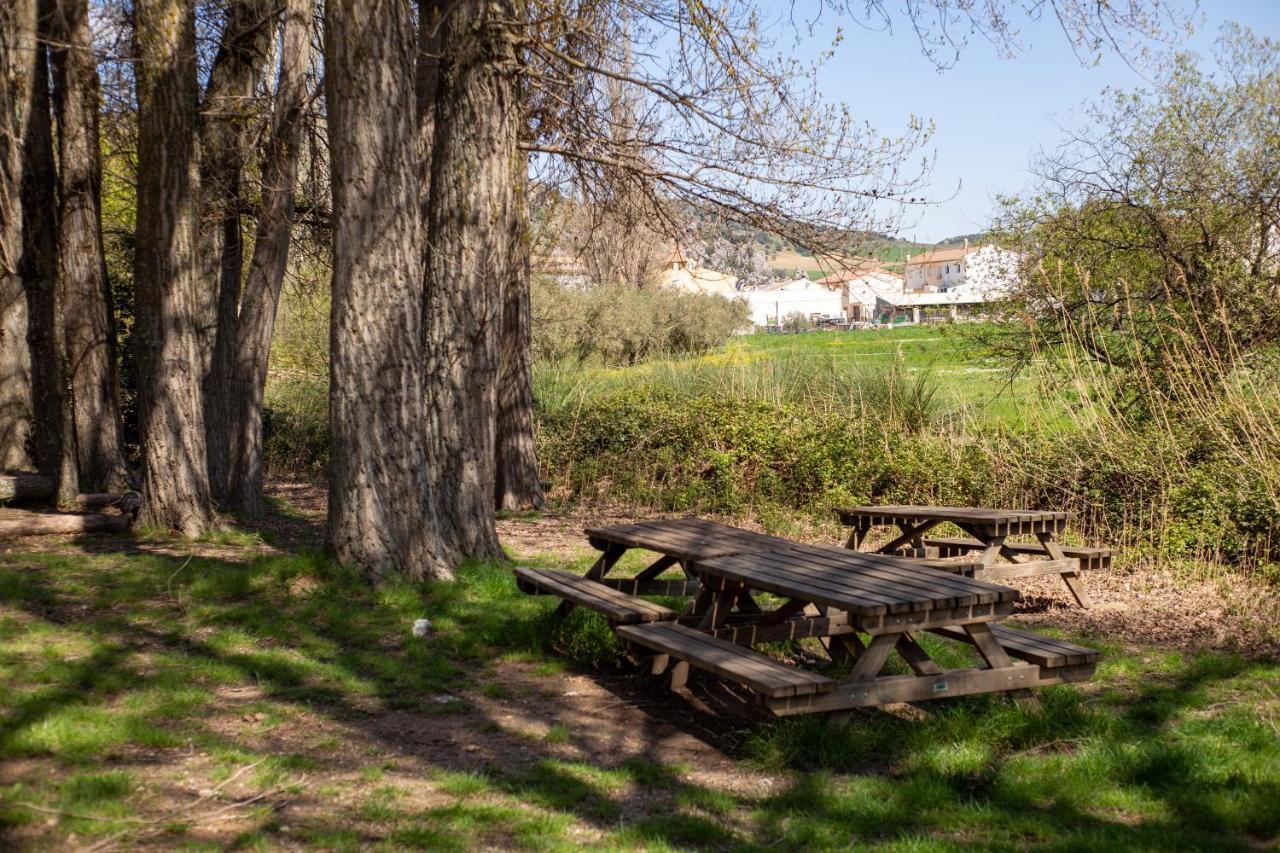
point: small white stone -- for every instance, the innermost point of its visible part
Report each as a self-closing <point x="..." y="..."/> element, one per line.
<point x="421" y="627"/>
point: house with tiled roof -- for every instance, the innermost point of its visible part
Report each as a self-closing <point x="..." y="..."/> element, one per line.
<point x="679" y="273"/>
<point x="938" y="269"/>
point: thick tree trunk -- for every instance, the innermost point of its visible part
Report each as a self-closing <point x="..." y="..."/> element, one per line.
<point x="89" y="333"/>
<point x="518" y="486"/>
<point x="474" y="164"/>
<point x="175" y="484"/>
<point x="380" y="518"/>
<point x="261" y="297"/>
<point x="227" y="114"/>
<point x="54" y="447"/>
<point x="17" y="73"/>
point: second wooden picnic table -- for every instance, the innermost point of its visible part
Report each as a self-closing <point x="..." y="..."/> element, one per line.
<point x="991" y="530"/>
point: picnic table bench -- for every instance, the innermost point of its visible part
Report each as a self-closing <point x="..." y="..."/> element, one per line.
<point x="826" y="592"/>
<point x="990" y="529"/>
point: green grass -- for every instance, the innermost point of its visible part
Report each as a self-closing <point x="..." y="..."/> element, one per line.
<point x="114" y="669"/>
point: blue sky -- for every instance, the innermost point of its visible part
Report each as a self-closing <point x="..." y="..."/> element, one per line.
<point x="991" y="114"/>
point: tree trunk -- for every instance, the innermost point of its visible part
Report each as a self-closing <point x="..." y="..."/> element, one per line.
<point x="89" y="333"/>
<point x="227" y="114"/>
<point x="474" y="165"/>
<point x="175" y="483"/>
<point x="54" y="447"/>
<point x="380" y="518"/>
<point x="518" y="486"/>
<point x="17" y="73"/>
<point x="261" y="297"/>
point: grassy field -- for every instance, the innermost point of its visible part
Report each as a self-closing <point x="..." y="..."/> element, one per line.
<point x="770" y="367"/>
<point x="216" y="696"/>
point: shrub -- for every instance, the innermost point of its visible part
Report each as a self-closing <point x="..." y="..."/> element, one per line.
<point x="796" y="322"/>
<point x="618" y="324"/>
<point x="295" y="425"/>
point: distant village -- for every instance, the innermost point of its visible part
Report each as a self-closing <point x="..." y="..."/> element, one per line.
<point x="940" y="285"/>
<point x="945" y="284"/>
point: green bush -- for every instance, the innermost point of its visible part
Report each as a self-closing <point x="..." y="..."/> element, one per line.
<point x="619" y="324"/>
<point x="295" y="426"/>
<point x="722" y="454"/>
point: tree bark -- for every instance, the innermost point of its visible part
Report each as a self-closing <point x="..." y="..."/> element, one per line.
<point x="257" y="313"/>
<point x="518" y="486"/>
<point x="54" y="447"/>
<point x="175" y="483"/>
<point x="430" y="34"/>
<point x="380" y="517"/>
<point x="227" y="114"/>
<point x="474" y="164"/>
<point x="89" y="327"/>
<point x="17" y="74"/>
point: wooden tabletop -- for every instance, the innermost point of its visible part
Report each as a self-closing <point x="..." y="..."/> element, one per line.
<point x="859" y="583"/>
<point x="1014" y="519"/>
<point x="685" y="538"/>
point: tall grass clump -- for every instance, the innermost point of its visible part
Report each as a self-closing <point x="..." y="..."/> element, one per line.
<point x="812" y="381"/>
<point x="1174" y="449"/>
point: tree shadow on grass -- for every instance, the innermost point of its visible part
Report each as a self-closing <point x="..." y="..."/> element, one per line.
<point x="312" y="635"/>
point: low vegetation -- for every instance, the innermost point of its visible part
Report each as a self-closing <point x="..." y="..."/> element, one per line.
<point x="794" y="425"/>
<point x="617" y="324"/>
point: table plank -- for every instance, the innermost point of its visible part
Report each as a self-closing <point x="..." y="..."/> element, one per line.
<point x="685" y="538"/>
<point x="998" y="521"/>
<point x="865" y="584"/>
<point x="901" y="578"/>
<point x="907" y="572"/>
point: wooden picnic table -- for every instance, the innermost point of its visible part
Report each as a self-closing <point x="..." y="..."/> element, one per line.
<point x="836" y="594"/>
<point x="990" y="529"/>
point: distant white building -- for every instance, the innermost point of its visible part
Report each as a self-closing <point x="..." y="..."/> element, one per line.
<point x="816" y="301"/>
<point x="925" y="305"/>
<point x="862" y="289"/>
<point x="988" y="269"/>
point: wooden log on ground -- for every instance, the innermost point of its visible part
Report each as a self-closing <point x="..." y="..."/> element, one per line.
<point x="52" y="523"/>
<point x="128" y="502"/>
<point x="25" y="487"/>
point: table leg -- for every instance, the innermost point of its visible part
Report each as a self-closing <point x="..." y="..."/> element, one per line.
<point x="856" y="535"/>
<point x="721" y="605"/>
<point x="872" y="659"/>
<point x="997" y="658"/>
<point x="656" y="568"/>
<point x="993" y="543"/>
<point x="606" y="561"/>
<point x="916" y="657"/>
<point x="1072" y="579"/>
<point x="910" y="533"/>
